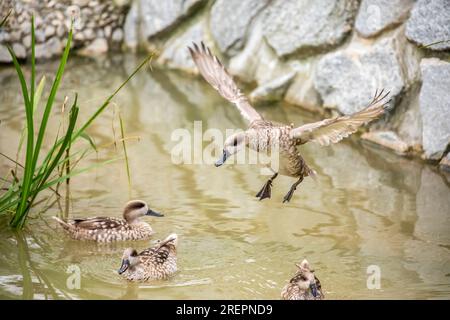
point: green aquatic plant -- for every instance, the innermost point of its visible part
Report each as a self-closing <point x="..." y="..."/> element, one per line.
<point x="3" y="22"/>
<point x="21" y="194"/>
<point x="124" y="146"/>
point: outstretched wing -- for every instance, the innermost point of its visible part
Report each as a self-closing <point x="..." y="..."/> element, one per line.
<point x="334" y="130"/>
<point x="217" y="76"/>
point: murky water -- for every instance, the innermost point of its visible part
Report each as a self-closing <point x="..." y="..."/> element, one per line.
<point x="368" y="207"/>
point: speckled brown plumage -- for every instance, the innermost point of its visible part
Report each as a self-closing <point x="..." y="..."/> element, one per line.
<point x="304" y="285"/>
<point x="109" y="229"/>
<point x="264" y="136"/>
<point x="157" y="262"/>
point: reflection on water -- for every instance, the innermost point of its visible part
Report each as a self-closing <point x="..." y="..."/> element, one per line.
<point x="368" y="207"/>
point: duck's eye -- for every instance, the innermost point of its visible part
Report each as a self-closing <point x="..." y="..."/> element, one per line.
<point x="235" y="142"/>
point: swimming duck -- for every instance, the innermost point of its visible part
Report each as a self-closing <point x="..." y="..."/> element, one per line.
<point x="158" y="262"/>
<point x="304" y="285"/>
<point x="266" y="136"/>
<point x="109" y="229"/>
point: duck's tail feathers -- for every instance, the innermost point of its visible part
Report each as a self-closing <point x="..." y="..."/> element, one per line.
<point x="63" y="223"/>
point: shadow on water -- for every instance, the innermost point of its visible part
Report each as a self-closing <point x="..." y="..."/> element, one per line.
<point x="367" y="208"/>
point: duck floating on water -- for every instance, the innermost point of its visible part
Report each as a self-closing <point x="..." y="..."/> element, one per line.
<point x="304" y="285"/>
<point x="109" y="229"/>
<point x="158" y="262"/>
<point x="265" y="136"/>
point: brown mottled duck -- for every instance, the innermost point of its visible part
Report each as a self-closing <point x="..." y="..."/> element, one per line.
<point x="158" y="262"/>
<point x="267" y="136"/>
<point x="109" y="229"/>
<point x="304" y="285"/>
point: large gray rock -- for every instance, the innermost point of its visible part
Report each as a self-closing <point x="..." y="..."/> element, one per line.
<point x="434" y="100"/>
<point x="176" y="55"/>
<point x="19" y="50"/>
<point x="97" y="47"/>
<point x="303" y="26"/>
<point x="149" y="18"/>
<point x="374" y="16"/>
<point x="131" y="27"/>
<point x="52" y="47"/>
<point x="4" y="54"/>
<point x="257" y="61"/>
<point x="388" y="139"/>
<point x="230" y="20"/>
<point x="347" y="79"/>
<point x="273" y="90"/>
<point x="302" y="91"/>
<point x="430" y="23"/>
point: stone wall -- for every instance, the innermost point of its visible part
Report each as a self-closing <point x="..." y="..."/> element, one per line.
<point x="97" y="26"/>
<point x="319" y="55"/>
<point x="324" y="55"/>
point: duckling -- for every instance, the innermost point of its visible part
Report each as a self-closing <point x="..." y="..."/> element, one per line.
<point x="266" y="136"/>
<point x="158" y="262"/>
<point x="304" y="285"/>
<point x="109" y="229"/>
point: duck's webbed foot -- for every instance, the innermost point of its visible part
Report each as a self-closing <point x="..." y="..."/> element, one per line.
<point x="266" y="190"/>
<point x="288" y="196"/>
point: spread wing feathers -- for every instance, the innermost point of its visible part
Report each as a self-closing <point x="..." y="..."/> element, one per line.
<point x="334" y="130"/>
<point x="217" y="76"/>
<point x="99" y="223"/>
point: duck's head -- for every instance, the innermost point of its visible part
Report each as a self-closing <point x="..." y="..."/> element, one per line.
<point x="129" y="260"/>
<point x="171" y="242"/>
<point x="232" y="145"/>
<point x="305" y="277"/>
<point x="137" y="208"/>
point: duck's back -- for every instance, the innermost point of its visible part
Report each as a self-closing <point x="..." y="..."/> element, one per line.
<point x="265" y="135"/>
<point x="106" y="229"/>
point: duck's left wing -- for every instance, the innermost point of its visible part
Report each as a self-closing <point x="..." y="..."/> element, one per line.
<point x="99" y="223"/>
<point x="334" y="130"/>
<point x="217" y="76"/>
<point x="157" y="254"/>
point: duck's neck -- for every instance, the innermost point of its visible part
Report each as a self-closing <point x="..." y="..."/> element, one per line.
<point x="133" y="221"/>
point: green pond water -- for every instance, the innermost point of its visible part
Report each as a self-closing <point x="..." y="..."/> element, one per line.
<point x="367" y="208"/>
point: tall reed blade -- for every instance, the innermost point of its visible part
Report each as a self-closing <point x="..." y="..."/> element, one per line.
<point x="23" y="190"/>
<point x="124" y="145"/>
<point x="28" y="171"/>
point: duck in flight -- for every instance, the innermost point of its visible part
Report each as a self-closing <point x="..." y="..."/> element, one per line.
<point x="266" y="136"/>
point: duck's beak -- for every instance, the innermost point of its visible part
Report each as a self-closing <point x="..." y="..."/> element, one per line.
<point x="313" y="288"/>
<point x="224" y="158"/>
<point x="150" y="212"/>
<point x="125" y="265"/>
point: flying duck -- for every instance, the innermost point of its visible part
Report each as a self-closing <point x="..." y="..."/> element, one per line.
<point x="267" y="136"/>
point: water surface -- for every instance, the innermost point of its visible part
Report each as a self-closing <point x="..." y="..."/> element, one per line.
<point x="367" y="207"/>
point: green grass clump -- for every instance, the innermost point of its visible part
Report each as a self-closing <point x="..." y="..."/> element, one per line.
<point x="37" y="176"/>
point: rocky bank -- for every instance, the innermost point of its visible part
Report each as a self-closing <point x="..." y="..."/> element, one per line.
<point x="323" y="55"/>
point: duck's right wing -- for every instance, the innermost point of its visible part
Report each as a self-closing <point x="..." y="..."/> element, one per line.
<point x="217" y="76"/>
